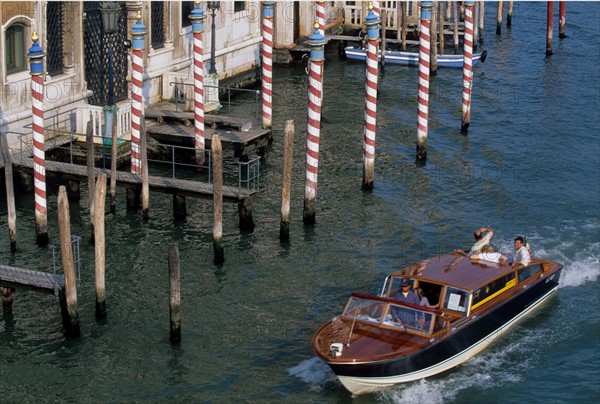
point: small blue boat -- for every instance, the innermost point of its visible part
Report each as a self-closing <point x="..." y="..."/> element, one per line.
<point x="412" y="58"/>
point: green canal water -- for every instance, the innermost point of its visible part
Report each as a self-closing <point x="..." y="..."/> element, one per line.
<point x="529" y="165"/>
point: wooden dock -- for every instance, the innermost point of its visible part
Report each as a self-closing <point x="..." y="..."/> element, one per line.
<point x="161" y="184"/>
<point x="12" y="277"/>
<point x="236" y="134"/>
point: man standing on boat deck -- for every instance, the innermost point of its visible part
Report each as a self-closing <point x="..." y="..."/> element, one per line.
<point x="480" y="241"/>
<point x="407" y="295"/>
<point x="521" y="254"/>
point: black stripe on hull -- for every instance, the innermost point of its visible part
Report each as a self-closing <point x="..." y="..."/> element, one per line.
<point x="470" y="334"/>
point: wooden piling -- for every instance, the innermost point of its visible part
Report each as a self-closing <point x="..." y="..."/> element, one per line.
<point x="145" y="186"/>
<point x="91" y="174"/>
<point x="113" y="169"/>
<point x="217" y="199"/>
<point x="475" y="25"/>
<point x="10" y="194"/>
<point x="481" y="19"/>
<point x="179" y="207"/>
<point x="383" y="47"/>
<point x="549" y="27"/>
<point x="70" y="313"/>
<point x="499" y="19"/>
<point x="441" y="26"/>
<point x="99" y="203"/>
<point x="433" y="40"/>
<point x="286" y="180"/>
<point x="8" y="297"/>
<point x="562" y="12"/>
<point x="509" y="14"/>
<point x="175" y="294"/>
<point x="455" y="25"/>
<point x="404" y="24"/>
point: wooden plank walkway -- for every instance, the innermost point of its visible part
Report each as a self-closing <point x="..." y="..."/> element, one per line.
<point x="243" y="143"/>
<point x="45" y="282"/>
<point x="161" y="184"/>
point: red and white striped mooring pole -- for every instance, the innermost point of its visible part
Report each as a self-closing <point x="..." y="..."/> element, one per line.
<point x="267" y="65"/>
<point x="138" y="31"/>
<point x="197" y="16"/>
<point x="372" y="22"/>
<point x="424" y="61"/>
<point x="467" y="92"/>
<point x="36" y="62"/>
<point x="315" y="99"/>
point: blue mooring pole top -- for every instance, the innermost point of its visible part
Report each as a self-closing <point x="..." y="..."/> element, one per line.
<point x="426" y="10"/>
<point x="197" y="16"/>
<point x="373" y="24"/>
<point x="138" y="31"/>
<point x="36" y="56"/>
<point x="317" y="44"/>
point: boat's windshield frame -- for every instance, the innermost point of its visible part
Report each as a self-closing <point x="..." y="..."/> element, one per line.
<point x="389" y="313"/>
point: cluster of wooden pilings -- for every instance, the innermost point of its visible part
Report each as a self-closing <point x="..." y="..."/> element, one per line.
<point x="434" y="18"/>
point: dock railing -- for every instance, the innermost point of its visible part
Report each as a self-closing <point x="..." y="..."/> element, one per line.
<point x="179" y="160"/>
<point x="182" y="98"/>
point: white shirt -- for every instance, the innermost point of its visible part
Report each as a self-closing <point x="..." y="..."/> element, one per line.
<point x="522" y="254"/>
<point x="491" y="257"/>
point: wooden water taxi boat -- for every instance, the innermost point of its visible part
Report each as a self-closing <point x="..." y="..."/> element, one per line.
<point x="378" y="341"/>
<point x="412" y="58"/>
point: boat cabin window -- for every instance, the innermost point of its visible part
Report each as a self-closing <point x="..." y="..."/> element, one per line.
<point x="364" y="309"/>
<point x="456" y="299"/>
<point x="493" y="289"/>
<point x="393" y="315"/>
<point x="528" y="272"/>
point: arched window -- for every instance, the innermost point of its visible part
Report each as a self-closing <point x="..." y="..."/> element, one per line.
<point x="15" y="49"/>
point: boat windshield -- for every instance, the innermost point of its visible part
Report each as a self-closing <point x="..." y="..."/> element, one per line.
<point x="387" y="313"/>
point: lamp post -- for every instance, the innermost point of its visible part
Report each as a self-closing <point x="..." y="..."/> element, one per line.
<point x="110" y="11"/>
<point x="213" y="6"/>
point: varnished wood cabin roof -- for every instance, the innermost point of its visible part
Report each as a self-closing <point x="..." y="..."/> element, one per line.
<point x="457" y="270"/>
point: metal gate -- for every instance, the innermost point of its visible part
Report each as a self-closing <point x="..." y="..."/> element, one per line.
<point x="97" y="48"/>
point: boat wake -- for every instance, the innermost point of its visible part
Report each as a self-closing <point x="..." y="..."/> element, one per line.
<point x="314" y="372"/>
<point x="504" y="365"/>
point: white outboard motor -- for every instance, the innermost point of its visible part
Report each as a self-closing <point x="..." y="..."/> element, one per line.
<point x="335" y="349"/>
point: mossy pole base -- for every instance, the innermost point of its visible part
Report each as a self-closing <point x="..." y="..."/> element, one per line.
<point x="245" y="213"/>
<point x="41" y="230"/>
<point x="499" y="19"/>
<point x="179" y="207"/>
<point x="219" y="251"/>
<point x="8" y="297"/>
<point x="284" y="229"/>
<point x="133" y="198"/>
<point x="509" y="14"/>
<point x="73" y="190"/>
<point x="70" y="319"/>
<point x="309" y="211"/>
<point x="174" y="294"/>
<point x="421" y="152"/>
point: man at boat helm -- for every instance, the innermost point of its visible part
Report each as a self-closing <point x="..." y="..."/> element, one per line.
<point x="405" y="294"/>
<point x="480" y="241"/>
<point x="521" y="254"/>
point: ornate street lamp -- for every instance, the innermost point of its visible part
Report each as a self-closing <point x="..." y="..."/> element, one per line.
<point x="213" y="6"/>
<point x="110" y="11"/>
